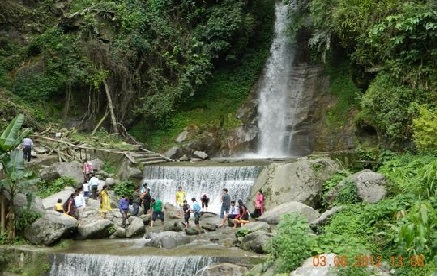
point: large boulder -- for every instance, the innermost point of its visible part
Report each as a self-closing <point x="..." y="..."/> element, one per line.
<point x="50" y="228"/>
<point x="135" y="228"/>
<point x="274" y="215"/>
<point x="95" y="229"/>
<point x="299" y="181"/>
<point x="222" y="269"/>
<point x="168" y="239"/>
<point x="258" y="242"/>
<point x="49" y="202"/>
<point x="70" y="169"/>
<point x="370" y="187"/>
<point x="126" y="171"/>
<point x="257" y="226"/>
<point x="174" y="153"/>
<point x="173" y="227"/>
<point x="97" y="164"/>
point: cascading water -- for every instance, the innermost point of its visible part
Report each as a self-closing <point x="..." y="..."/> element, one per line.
<point x="110" y="265"/>
<point x="164" y="180"/>
<point x="276" y="113"/>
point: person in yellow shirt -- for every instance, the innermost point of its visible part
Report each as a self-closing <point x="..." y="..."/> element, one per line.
<point x="105" y="204"/>
<point x="58" y="206"/>
<point x="180" y="197"/>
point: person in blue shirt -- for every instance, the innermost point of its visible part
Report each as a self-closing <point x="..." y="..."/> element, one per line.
<point x="196" y="211"/>
<point x="123" y="205"/>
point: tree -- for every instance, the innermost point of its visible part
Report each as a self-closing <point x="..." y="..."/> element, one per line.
<point x="15" y="176"/>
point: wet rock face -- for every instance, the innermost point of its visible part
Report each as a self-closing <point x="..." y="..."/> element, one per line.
<point x="307" y="99"/>
<point x="299" y="181"/>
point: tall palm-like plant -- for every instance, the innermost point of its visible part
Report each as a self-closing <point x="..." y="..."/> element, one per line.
<point x="15" y="175"/>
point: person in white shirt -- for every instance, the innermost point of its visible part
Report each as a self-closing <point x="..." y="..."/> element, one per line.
<point x="27" y="148"/>
<point x="79" y="201"/>
<point x="94" y="183"/>
<point x="86" y="189"/>
<point x="233" y="212"/>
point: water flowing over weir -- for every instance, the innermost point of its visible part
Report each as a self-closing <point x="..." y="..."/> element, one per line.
<point x="164" y="180"/>
<point x="276" y="95"/>
<point x="110" y="265"/>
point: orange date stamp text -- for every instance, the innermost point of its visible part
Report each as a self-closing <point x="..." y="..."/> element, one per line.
<point x="395" y="261"/>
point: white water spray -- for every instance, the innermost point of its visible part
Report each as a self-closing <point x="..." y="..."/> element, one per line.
<point x="276" y="115"/>
<point x="110" y="265"/>
<point x="164" y="181"/>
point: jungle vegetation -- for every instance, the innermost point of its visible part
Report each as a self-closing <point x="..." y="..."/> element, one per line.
<point x="151" y="65"/>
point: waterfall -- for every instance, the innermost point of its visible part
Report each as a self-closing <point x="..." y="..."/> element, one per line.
<point x="195" y="181"/>
<point x="275" y="107"/>
<point x="110" y="265"/>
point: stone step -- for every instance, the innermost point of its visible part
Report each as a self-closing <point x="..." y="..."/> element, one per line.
<point x="154" y="162"/>
<point x="146" y="158"/>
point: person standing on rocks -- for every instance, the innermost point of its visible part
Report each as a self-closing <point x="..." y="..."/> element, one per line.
<point x="94" y="183"/>
<point x="86" y="189"/>
<point x="79" y="201"/>
<point x="27" y="148"/>
<point x="226" y="203"/>
<point x="105" y="204"/>
<point x="157" y="212"/>
<point x="259" y="204"/>
<point x="136" y="201"/>
<point x="146" y="198"/>
<point x="87" y="169"/>
<point x="187" y="213"/>
<point x="205" y="200"/>
<point x="123" y="206"/>
<point x="180" y="197"/>
<point x="196" y="211"/>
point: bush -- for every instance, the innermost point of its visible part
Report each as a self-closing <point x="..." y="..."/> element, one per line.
<point x="292" y="243"/>
<point x="331" y="183"/>
<point x="347" y="195"/>
<point x="124" y="188"/>
<point x="424" y="129"/>
<point x="46" y="189"/>
<point x="24" y="218"/>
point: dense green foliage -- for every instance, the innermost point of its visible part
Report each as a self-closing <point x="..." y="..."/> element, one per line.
<point x="392" y="47"/>
<point x="292" y="243"/>
<point x="154" y="56"/>
<point x="399" y="231"/>
<point x="45" y="189"/>
<point x="424" y="129"/>
<point x="15" y="177"/>
<point x="124" y="188"/>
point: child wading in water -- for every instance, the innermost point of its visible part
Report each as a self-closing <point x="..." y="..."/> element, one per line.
<point x="187" y="214"/>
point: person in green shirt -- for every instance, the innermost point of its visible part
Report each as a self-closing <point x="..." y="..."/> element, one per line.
<point x="157" y="212"/>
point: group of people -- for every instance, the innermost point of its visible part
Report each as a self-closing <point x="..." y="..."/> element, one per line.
<point x="231" y="210"/>
<point x="76" y="202"/>
<point x="239" y="214"/>
<point x="185" y="210"/>
<point x="141" y="197"/>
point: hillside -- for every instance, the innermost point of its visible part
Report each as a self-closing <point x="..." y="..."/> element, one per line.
<point x="126" y="64"/>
